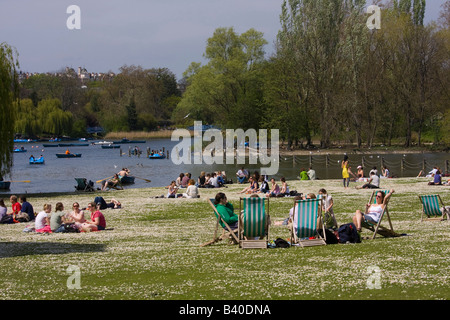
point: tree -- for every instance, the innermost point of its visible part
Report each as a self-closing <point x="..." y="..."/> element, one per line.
<point x="228" y="89"/>
<point x="9" y="91"/>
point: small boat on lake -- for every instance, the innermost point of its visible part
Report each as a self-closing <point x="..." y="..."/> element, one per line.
<point x="47" y="145"/>
<point x="39" y="160"/>
<point x="124" y="140"/>
<point x="73" y="144"/>
<point x="102" y="143"/>
<point x="111" y="146"/>
<point x="127" y="180"/>
<point x="4" y="185"/>
<point x="68" y="155"/>
<point x="157" y="156"/>
<point x="19" y="150"/>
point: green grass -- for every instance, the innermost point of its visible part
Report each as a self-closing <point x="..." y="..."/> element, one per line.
<point x="154" y="253"/>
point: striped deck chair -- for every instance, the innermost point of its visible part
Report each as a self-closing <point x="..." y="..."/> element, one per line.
<point x="306" y="221"/>
<point x="431" y="209"/>
<point x="254" y="223"/>
<point x="378" y="228"/>
<point x="226" y="234"/>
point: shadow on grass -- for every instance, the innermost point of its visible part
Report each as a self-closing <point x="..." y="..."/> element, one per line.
<point x="17" y="249"/>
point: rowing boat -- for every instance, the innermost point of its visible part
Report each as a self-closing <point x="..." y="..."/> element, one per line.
<point x="37" y="161"/>
<point x="4" y="185"/>
<point x="70" y="155"/>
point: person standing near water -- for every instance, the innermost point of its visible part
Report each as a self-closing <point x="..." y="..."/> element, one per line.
<point x="345" y="173"/>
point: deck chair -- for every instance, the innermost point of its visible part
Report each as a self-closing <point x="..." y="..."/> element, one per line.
<point x="307" y="219"/>
<point x="431" y="209"/>
<point x="83" y="185"/>
<point x="377" y="228"/>
<point x="227" y="233"/>
<point x="254" y="222"/>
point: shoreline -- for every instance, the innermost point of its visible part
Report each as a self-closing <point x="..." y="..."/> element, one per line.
<point x="291" y="182"/>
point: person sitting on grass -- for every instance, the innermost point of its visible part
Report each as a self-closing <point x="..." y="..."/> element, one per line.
<point x="42" y="221"/>
<point x="58" y="218"/>
<point x="97" y="222"/>
<point x="191" y="191"/>
<point x="252" y="188"/>
<point x="374" y="210"/>
<point x="437" y="179"/>
<point x="373" y="183"/>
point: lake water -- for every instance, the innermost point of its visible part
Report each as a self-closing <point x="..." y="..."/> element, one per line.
<point x="58" y="175"/>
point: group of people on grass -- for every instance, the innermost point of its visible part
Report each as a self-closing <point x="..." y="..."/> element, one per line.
<point x="258" y="184"/>
<point x="373" y="182"/>
<point x="185" y="181"/>
<point x="372" y="213"/>
<point x="60" y="220"/>
<point x="436" y="174"/>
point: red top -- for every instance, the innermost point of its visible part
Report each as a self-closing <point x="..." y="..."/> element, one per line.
<point x="98" y="214"/>
<point x="16" y="207"/>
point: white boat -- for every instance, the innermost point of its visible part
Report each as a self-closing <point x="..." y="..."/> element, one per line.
<point x="102" y="142"/>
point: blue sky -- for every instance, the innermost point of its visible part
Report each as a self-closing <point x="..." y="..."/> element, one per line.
<point x="149" y="33"/>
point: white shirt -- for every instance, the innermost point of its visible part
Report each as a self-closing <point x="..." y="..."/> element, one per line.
<point x="40" y="220"/>
<point x="192" y="191"/>
<point x="375" y="180"/>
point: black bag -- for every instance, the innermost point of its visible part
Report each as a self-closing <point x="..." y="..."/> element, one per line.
<point x="281" y="243"/>
<point x="330" y="236"/>
<point x="348" y="233"/>
<point x="70" y="227"/>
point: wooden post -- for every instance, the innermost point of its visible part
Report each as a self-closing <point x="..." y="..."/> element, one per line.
<point x="362" y="162"/>
<point x="293" y="161"/>
<point x="446" y="166"/>
<point x="310" y="161"/>
<point x="120" y="149"/>
<point x="327" y="160"/>
<point x="402" y="164"/>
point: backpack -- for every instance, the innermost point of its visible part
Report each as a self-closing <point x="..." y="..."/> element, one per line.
<point x="348" y="234"/>
<point x="281" y="243"/>
<point x="330" y="236"/>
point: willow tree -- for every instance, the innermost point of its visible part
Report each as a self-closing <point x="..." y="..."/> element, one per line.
<point x="9" y="90"/>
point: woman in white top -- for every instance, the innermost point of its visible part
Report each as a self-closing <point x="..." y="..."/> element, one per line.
<point x="373" y="211"/>
<point x="42" y="221"/>
<point x="191" y="191"/>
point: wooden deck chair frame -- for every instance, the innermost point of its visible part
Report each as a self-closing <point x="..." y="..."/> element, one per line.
<point x="226" y="234"/>
<point x="83" y="185"/>
<point x="378" y="228"/>
<point x="431" y="208"/>
<point x="254" y="222"/>
<point x="311" y="216"/>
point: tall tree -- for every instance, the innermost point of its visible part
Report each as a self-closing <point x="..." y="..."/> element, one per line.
<point x="228" y="89"/>
<point x="9" y="91"/>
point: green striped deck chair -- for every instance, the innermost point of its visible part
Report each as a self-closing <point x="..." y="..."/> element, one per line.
<point x="254" y="222"/>
<point x="377" y="228"/>
<point x="227" y="233"/>
<point x="306" y="221"/>
<point x="431" y="208"/>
